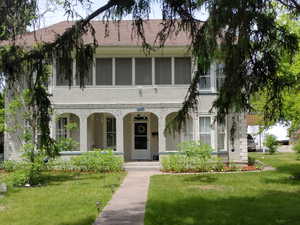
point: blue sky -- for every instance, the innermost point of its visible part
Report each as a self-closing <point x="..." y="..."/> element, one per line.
<point x="57" y="14"/>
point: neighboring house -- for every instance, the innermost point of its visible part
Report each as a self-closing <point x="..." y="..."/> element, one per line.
<point x="129" y="98"/>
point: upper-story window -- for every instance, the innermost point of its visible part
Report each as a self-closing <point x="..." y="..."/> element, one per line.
<point x="88" y="80"/>
<point x="134" y="71"/>
<point x="104" y="71"/>
<point x="123" y="71"/>
<point x="143" y="71"/>
<point x="220" y="75"/>
<point x="183" y="70"/>
<point x="163" y="71"/>
<point x="61" y="77"/>
<point x="205" y="82"/>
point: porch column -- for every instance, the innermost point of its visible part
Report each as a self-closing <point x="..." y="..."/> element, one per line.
<point x="83" y="133"/>
<point x="161" y="135"/>
<point x="196" y="128"/>
<point x="53" y="128"/>
<point x="120" y="136"/>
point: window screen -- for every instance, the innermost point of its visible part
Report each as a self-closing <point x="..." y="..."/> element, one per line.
<point x="123" y="71"/>
<point x="88" y="80"/>
<point x="183" y="70"/>
<point x="143" y="71"/>
<point x="163" y="74"/>
<point x="111" y="132"/>
<point x="204" y="82"/>
<point x="205" y="130"/>
<point x="61" y="129"/>
<point x="103" y="71"/>
<point x="61" y="77"/>
<point x="220" y="75"/>
<point x="221" y="136"/>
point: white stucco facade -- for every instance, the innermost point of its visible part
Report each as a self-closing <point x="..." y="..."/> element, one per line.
<point x="131" y="106"/>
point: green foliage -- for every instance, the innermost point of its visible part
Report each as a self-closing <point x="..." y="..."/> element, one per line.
<point x="296" y="148"/>
<point x="219" y="165"/>
<point x="271" y="143"/>
<point x="251" y="161"/>
<point x="98" y="161"/>
<point x="66" y="144"/>
<point x="10" y="165"/>
<point x="193" y="156"/>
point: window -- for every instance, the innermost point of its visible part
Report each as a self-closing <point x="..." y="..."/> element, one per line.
<point x="163" y="71"/>
<point x="104" y="71"/>
<point x="110" y="132"/>
<point x="220" y="75"/>
<point x="204" y="82"/>
<point x="183" y="70"/>
<point x="61" y="129"/>
<point x="143" y="71"/>
<point x="88" y="79"/>
<point x="205" y="130"/>
<point x="123" y="71"/>
<point x="221" y="136"/>
<point x="61" y="77"/>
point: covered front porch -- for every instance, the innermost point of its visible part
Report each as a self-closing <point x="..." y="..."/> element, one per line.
<point x="138" y="136"/>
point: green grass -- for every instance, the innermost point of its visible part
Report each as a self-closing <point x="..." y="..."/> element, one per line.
<point x="67" y="199"/>
<point x="249" y="198"/>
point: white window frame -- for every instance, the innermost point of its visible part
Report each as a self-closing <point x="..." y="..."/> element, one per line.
<point x="106" y="132"/>
<point x="225" y="137"/>
<point x="67" y="131"/>
<point x="219" y="75"/>
<point x="211" y="132"/>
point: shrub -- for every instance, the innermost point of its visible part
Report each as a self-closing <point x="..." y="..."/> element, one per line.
<point x="66" y="144"/>
<point x="10" y="165"/>
<point x="271" y="143"/>
<point x="28" y="173"/>
<point x="251" y="161"/>
<point x="296" y="148"/>
<point x="98" y="161"/>
<point x="193" y="156"/>
<point x="219" y="165"/>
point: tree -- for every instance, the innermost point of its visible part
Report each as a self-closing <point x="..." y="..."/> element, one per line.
<point x="241" y="33"/>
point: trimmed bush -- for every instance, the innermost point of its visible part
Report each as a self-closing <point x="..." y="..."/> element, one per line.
<point x="271" y="143"/>
<point x="98" y="161"/>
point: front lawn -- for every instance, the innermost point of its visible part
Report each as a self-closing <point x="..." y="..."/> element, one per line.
<point x="248" y="198"/>
<point x="67" y="199"/>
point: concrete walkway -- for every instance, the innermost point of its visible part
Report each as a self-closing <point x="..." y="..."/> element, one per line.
<point x="127" y="205"/>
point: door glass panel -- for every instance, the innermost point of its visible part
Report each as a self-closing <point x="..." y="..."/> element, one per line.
<point x="140" y="138"/>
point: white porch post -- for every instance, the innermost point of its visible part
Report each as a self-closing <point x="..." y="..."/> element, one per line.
<point x="161" y="135"/>
<point x="196" y="129"/>
<point x="83" y="133"/>
<point x="53" y="128"/>
<point x="120" y="136"/>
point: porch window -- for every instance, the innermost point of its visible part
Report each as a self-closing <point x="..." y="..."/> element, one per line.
<point x="104" y="71"/>
<point x="182" y="70"/>
<point x="143" y="71"/>
<point x="220" y="75"/>
<point x="61" y="131"/>
<point x="163" y="71"/>
<point x="88" y="79"/>
<point x="221" y="136"/>
<point x="111" y="132"/>
<point x="61" y="77"/>
<point x="123" y="71"/>
<point x="204" y="82"/>
<point x="205" y="130"/>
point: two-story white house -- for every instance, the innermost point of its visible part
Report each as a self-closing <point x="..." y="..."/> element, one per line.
<point x="130" y="97"/>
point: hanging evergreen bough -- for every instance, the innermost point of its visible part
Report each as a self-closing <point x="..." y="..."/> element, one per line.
<point x="241" y="33"/>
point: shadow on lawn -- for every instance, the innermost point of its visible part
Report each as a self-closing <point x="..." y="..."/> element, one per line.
<point x="270" y="208"/>
<point x="293" y="170"/>
<point x="201" y="177"/>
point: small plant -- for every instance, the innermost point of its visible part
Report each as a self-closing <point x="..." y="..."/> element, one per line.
<point x="251" y="161"/>
<point x="9" y="165"/>
<point x="296" y="148"/>
<point x="66" y="144"/>
<point x="219" y="165"/>
<point x="271" y="143"/>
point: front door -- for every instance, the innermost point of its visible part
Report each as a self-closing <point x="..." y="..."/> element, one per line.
<point x="141" y="149"/>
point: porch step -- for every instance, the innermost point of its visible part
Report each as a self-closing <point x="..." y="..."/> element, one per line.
<point x="141" y="165"/>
